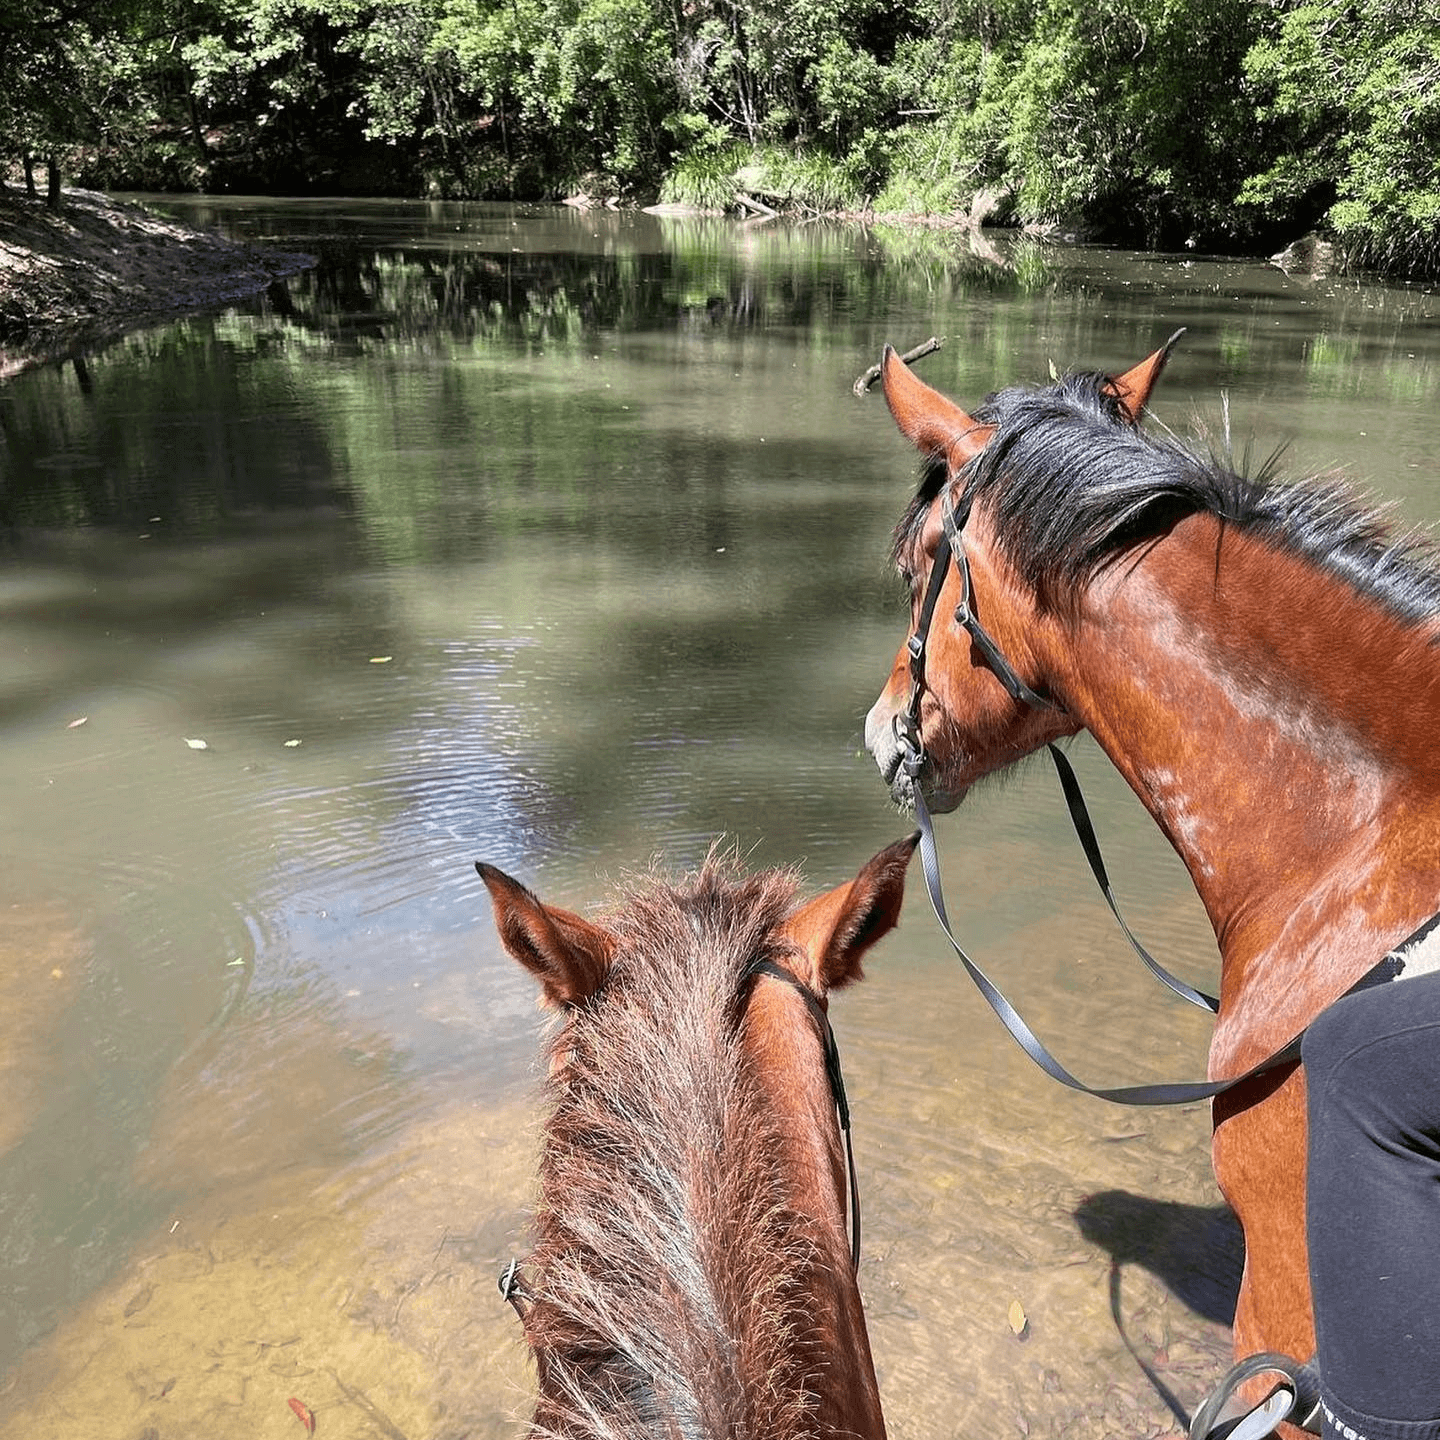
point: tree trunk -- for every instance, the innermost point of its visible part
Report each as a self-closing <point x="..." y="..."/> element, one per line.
<point x="29" y="174"/>
<point x="52" y="189"/>
<point x="197" y="130"/>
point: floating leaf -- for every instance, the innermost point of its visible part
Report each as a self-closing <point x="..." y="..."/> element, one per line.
<point x="197" y="744"/>
<point x="303" y="1414"/>
<point x="1019" y="1321"/>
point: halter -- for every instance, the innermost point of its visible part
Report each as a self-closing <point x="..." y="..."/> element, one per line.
<point x="907" y="733"/>
<point x="511" y="1284"/>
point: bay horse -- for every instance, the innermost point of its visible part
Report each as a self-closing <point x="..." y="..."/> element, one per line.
<point x="1260" y="660"/>
<point x="691" y="1275"/>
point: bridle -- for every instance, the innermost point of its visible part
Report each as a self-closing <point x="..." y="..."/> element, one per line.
<point x="837" y="1084"/>
<point x="951" y="548"/>
<point x="511" y="1283"/>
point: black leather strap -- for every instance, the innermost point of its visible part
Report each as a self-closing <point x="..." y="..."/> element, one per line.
<point x="837" y="1085"/>
<point x="965" y="616"/>
<point x="1080" y="818"/>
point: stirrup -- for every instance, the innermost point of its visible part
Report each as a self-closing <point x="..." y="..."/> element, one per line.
<point x="1295" y="1399"/>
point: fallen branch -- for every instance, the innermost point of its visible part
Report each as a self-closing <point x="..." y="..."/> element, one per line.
<point x="864" y="383"/>
<point x="750" y="203"/>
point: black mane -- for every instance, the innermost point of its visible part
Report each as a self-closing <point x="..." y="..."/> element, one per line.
<point x="1074" y="487"/>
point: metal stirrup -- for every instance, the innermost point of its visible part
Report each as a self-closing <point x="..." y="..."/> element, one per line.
<point x="1296" y="1400"/>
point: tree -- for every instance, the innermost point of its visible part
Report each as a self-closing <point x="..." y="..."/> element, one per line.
<point x="1351" y="96"/>
<point x="1130" y="115"/>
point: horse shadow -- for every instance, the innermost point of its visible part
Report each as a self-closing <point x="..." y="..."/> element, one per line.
<point x="1196" y="1251"/>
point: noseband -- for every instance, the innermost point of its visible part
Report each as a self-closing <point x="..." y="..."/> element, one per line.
<point x="951" y="547"/>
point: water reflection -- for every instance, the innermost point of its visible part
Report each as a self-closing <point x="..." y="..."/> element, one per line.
<point x="558" y="540"/>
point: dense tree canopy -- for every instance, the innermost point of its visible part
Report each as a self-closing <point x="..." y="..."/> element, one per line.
<point x="1212" y="123"/>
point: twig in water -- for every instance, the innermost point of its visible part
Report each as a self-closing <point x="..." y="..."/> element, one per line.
<point x="864" y="383"/>
<point x="360" y="1398"/>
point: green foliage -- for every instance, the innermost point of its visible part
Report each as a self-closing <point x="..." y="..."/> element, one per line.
<point x="705" y="177"/>
<point x="1222" y="123"/>
<point x="1126" y="115"/>
<point x="1352" y="93"/>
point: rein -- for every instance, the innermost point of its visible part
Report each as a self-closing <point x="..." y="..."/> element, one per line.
<point x="511" y="1284"/>
<point x="950" y="548"/>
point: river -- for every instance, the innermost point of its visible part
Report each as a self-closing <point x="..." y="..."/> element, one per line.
<point x="558" y="540"/>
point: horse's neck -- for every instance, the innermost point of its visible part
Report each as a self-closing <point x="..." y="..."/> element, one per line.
<point x="782" y="1041"/>
<point x="1273" y="720"/>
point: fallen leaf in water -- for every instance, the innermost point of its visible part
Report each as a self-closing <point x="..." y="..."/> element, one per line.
<point x="76" y="724"/>
<point x="197" y="744"/>
<point x="1019" y="1321"/>
<point x="303" y="1414"/>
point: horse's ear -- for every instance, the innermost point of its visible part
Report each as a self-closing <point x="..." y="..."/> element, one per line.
<point x="835" y="929"/>
<point x="1133" y="388"/>
<point x="567" y="954"/>
<point x="933" y="424"/>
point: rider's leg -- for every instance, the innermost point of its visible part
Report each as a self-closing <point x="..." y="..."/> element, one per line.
<point x="1372" y="1065"/>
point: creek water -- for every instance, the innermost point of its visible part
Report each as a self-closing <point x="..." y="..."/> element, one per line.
<point x="558" y="540"/>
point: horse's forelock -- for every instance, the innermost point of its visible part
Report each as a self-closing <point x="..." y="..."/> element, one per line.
<point x="658" y="1129"/>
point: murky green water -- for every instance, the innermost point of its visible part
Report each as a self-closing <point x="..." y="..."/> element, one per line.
<point x="558" y="540"/>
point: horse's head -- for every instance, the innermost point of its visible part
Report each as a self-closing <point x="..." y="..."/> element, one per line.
<point x="693" y="1182"/>
<point x="968" y="695"/>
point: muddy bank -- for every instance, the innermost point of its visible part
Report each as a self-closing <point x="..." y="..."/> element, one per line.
<point x="97" y="267"/>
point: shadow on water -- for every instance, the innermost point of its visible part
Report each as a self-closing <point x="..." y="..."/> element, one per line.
<point x="1198" y="1251"/>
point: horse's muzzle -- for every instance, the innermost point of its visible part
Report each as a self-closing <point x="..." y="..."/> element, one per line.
<point x="889" y="750"/>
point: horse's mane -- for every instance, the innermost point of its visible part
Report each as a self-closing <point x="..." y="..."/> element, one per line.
<point x="1075" y="487"/>
<point x="667" y="1258"/>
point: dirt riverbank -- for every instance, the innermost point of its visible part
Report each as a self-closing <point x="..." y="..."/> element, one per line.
<point x="97" y="267"/>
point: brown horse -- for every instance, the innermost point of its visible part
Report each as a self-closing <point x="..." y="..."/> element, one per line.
<point x="1259" y="660"/>
<point x="691" y="1275"/>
